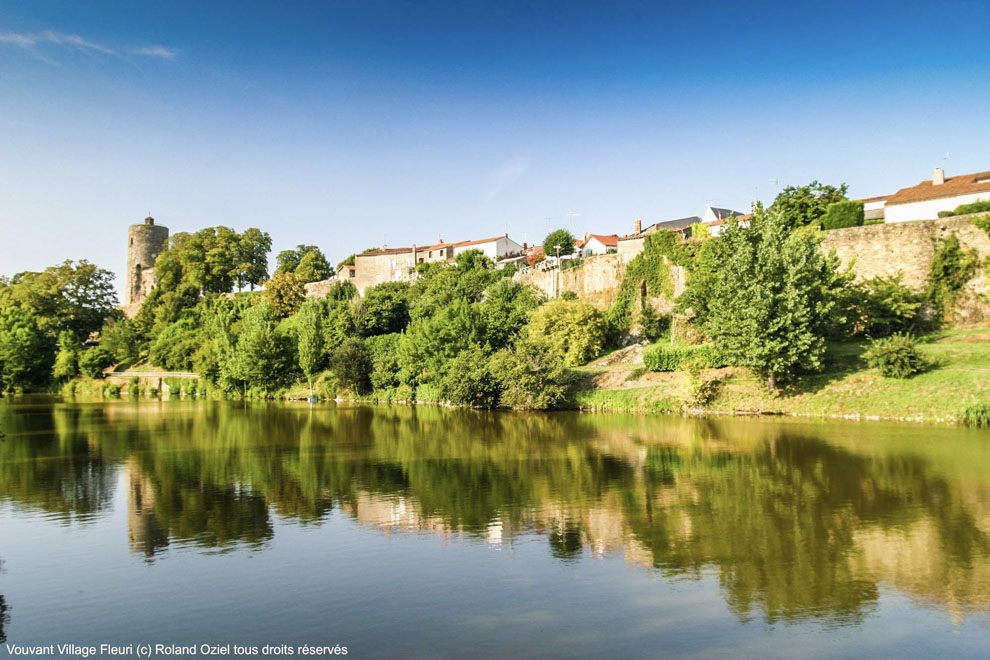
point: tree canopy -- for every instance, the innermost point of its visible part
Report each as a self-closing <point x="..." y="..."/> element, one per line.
<point x="768" y="295"/>
<point x="215" y="259"/>
<point x="803" y="206"/>
<point x="560" y="237"/>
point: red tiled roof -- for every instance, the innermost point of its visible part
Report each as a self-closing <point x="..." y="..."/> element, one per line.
<point x="741" y="218"/>
<point x="878" y="198"/>
<point x="964" y="184"/>
<point x="608" y="241"/>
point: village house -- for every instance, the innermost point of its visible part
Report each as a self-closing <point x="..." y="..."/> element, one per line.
<point x="593" y="244"/>
<point x="399" y="264"/>
<point x="925" y="200"/>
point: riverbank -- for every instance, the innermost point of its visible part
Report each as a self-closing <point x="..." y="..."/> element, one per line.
<point x="958" y="378"/>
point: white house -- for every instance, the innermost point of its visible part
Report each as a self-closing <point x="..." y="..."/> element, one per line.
<point x="715" y="219"/>
<point x="597" y="244"/>
<point x="495" y="248"/>
<point x="925" y="200"/>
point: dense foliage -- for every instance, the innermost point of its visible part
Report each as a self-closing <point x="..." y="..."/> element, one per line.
<point x="666" y="357"/>
<point x="558" y="238"/>
<point x="306" y="262"/>
<point x="805" y="206"/>
<point x="847" y="213"/>
<point x="896" y="356"/>
<point x="214" y="260"/>
<point x="767" y="301"/>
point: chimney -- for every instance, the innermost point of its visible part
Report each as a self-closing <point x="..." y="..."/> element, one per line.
<point x="639" y="226"/>
<point x="524" y="245"/>
<point x="938" y="176"/>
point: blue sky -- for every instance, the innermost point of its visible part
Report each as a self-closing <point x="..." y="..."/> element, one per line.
<point x="353" y="124"/>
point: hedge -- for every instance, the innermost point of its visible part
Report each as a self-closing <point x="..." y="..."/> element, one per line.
<point x="843" y="214"/>
<point x="663" y="357"/>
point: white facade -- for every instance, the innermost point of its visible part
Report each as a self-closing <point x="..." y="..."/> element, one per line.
<point x="594" y="246"/>
<point x="928" y="209"/>
<point x="496" y="249"/>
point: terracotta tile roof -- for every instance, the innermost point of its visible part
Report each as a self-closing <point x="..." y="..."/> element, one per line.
<point x="608" y="241"/>
<point x="745" y="217"/>
<point x="479" y="242"/>
<point x="878" y="198"/>
<point x="964" y="184"/>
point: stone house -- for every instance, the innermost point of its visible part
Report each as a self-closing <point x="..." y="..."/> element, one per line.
<point x="399" y="264"/>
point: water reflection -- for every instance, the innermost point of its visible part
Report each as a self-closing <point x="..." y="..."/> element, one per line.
<point x="794" y="521"/>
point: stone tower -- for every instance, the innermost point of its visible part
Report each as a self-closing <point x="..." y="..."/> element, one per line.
<point x="144" y="243"/>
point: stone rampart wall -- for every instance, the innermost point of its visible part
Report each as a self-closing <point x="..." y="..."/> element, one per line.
<point x="909" y="248"/>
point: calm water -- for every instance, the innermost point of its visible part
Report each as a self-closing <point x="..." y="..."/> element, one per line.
<point x="425" y="531"/>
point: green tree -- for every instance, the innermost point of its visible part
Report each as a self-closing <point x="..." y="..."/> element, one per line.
<point x="771" y="297"/>
<point x="349" y="261"/>
<point x="253" y="248"/>
<point x="67" y="359"/>
<point x="531" y="377"/>
<point x="285" y="292"/>
<point x="469" y="380"/>
<point x="505" y="310"/>
<point x="309" y="333"/>
<point x="560" y="237"/>
<point x="430" y="343"/>
<point x="804" y="206"/>
<point x="306" y="261"/>
<point x="313" y="267"/>
<point x="26" y="353"/>
<point x="573" y="332"/>
<point x="351" y="364"/>
<point x="470" y="259"/>
<point x="263" y="356"/>
<point x="74" y="295"/>
<point x="338" y="324"/>
<point x="383" y="310"/>
<point x="94" y="360"/>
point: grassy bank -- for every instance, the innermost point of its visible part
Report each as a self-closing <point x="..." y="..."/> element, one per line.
<point x="959" y="377"/>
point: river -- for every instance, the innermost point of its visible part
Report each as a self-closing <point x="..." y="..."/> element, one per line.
<point x="425" y="532"/>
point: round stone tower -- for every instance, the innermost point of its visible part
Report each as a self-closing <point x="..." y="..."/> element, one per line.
<point x="144" y="243"/>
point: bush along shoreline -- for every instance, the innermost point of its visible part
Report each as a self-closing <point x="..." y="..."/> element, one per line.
<point x="767" y="323"/>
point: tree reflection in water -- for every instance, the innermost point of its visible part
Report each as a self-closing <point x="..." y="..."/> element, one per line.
<point x="795" y="521"/>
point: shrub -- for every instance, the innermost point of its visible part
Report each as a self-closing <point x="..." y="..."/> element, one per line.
<point x="671" y="358"/>
<point x="384" y="353"/>
<point x="875" y="307"/>
<point x="351" y="364"/>
<point x="896" y="356"/>
<point x="654" y="324"/>
<point x="469" y="381"/>
<point x="113" y="390"/>
<point x="134" y="389"/>
<point x="574" y="332"/>
<point x="843" y="214"/>
<point x="979" y="206"/>
<point x="568" y="295"/>
<point x="701" y="390"/>
<point x="978" y="415"/>
<point x="94" y="360"/>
